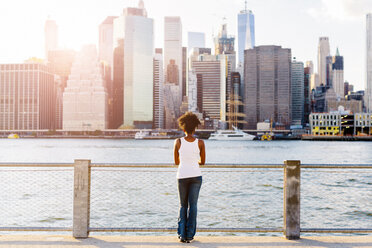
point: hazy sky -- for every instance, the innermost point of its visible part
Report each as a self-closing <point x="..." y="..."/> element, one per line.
<point x="295" y="24"/>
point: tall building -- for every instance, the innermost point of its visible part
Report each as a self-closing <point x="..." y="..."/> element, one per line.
<point x="235" y="103"/>
<point x="329" y="72"/>
<point x="314" y="81"/>
<point x="368" y="94"/>
<point x="195" y="52"/>
<point x="51" y="36"/>
<point x="223" y="43"/>
<point x="116" y="101"/>
<point x="297" y="88"/>
<point x="106" y="41"/>
<point x="106" y="58"/>
<point x="184" y="71"/>
<point x="338" y="74"/>
<point x="213" y="75"/>
<point x="85" y="97"/>
<point x="246" y="33"/>
<point x="137" y="32"/>
<point x="310" y="65"/>
<point x="195" y="39"/>
<point x="307" y="93"/>
<point x="173" y="61"/>
<point x="323" y="52"/>
<point x="267" y="74"/>
<point x="60" y="62"/>
<point x="158" y="89"/>
<point x="173" y="46"/>
<point x="346" y="88"/>
<point x="246" y="40"/>
<point x="192" y="93"/>
<point x="27" y="97"/>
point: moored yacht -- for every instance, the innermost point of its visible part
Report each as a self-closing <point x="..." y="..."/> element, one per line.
<point x="141" y="134"/>
<point x="153" y="135"/>
<point x="235" y="134"/>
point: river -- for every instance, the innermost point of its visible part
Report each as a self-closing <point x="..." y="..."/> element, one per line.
<point x="126" y="197"/>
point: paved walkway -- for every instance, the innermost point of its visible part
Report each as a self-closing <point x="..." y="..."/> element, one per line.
<point x="54" y="241"/>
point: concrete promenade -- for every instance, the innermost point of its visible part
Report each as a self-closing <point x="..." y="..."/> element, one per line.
<point x="54" y="241"/>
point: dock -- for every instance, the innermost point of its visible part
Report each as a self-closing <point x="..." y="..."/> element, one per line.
<point x="336" y="138"/>
<point x="60" y="241"/>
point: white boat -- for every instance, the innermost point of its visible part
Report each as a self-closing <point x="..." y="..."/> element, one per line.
<point x="235" y="134"/>
<point x="141" y="134"/>
<point x="154" y="135"/>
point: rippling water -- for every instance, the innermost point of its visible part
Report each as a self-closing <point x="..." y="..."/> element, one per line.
<point x="160" y="151"/>
<point x="148" y="197"/>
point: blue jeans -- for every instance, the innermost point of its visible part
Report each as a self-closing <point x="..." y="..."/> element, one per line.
<point x="188" y="189"/>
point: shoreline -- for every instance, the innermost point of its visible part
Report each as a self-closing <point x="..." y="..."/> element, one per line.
<point x="304" y="138"/>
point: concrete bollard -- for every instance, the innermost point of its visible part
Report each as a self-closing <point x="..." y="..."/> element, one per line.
<point x="81" y="198"/>
<point x="292" y="179"/>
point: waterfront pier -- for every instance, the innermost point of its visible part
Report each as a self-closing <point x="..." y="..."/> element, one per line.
<point x="288" y="199"/>
<point x="59" y="241"/>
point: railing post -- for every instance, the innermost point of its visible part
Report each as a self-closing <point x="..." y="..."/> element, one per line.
<point x="81" y="198"/>
<point x="292" y="173"/>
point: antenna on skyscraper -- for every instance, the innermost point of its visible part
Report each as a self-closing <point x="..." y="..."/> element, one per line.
<point x="245" y="5"/>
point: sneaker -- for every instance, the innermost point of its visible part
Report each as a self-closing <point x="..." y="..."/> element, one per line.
<point x="189" y="240"/>
<point x="183" y="240"/>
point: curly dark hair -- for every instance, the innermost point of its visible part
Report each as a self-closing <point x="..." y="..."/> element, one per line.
<point x="188" y="122"/>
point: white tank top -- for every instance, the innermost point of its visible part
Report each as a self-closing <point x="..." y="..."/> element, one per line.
<point x="189" y="156"/>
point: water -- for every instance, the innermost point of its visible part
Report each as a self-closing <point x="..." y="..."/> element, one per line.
<point x="160" y="151"/>
<point x="129" y="197"/>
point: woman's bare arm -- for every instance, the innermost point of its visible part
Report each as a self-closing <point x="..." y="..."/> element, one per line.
<point x="177" y="145"/>
<point x="202" y="152"/>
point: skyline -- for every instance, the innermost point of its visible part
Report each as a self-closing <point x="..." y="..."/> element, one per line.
<point x="343" y="21"/>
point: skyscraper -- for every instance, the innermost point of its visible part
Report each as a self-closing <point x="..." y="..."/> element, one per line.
<point x="338" y="74"/>
<point x="173" y="46"/>
<point x="246" y="40"/>
<point x="184" y="71"/>
<point x="225" y="44"/>
<point x="106" y="42"/>
<point x="368" y="94"/>
<point x="195" y="39"/>
<point x="192" y="93"/>
<point x="51" y="36"/>
<point x="173" y="68"/>
<point x="60" y="62"/>
<point x="307" y="90"/>
<point x="158" y="89"/>
<point x="297" y="88"/>
<point x="246" y="33"/>
<point x="213" y="74"/>
<point x="310" y="65"/>
<point x="85" y="97"/>
<point x="314" y="81"/>
<point x="137" y="32"/>
<point x="329" y="72"/>
<point x="28" y="97"/>
<point x="267" y="73"/>
<point x="116" y="103"/>
<point x="323" y="52"/>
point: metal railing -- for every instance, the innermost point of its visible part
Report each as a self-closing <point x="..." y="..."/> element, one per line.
<point x="84" y="197"/>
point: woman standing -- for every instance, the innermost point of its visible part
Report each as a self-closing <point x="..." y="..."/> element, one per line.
<point x="189" y="153"/>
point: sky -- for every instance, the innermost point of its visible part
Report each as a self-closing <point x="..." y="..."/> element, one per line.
<point x="295" y="24"/>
